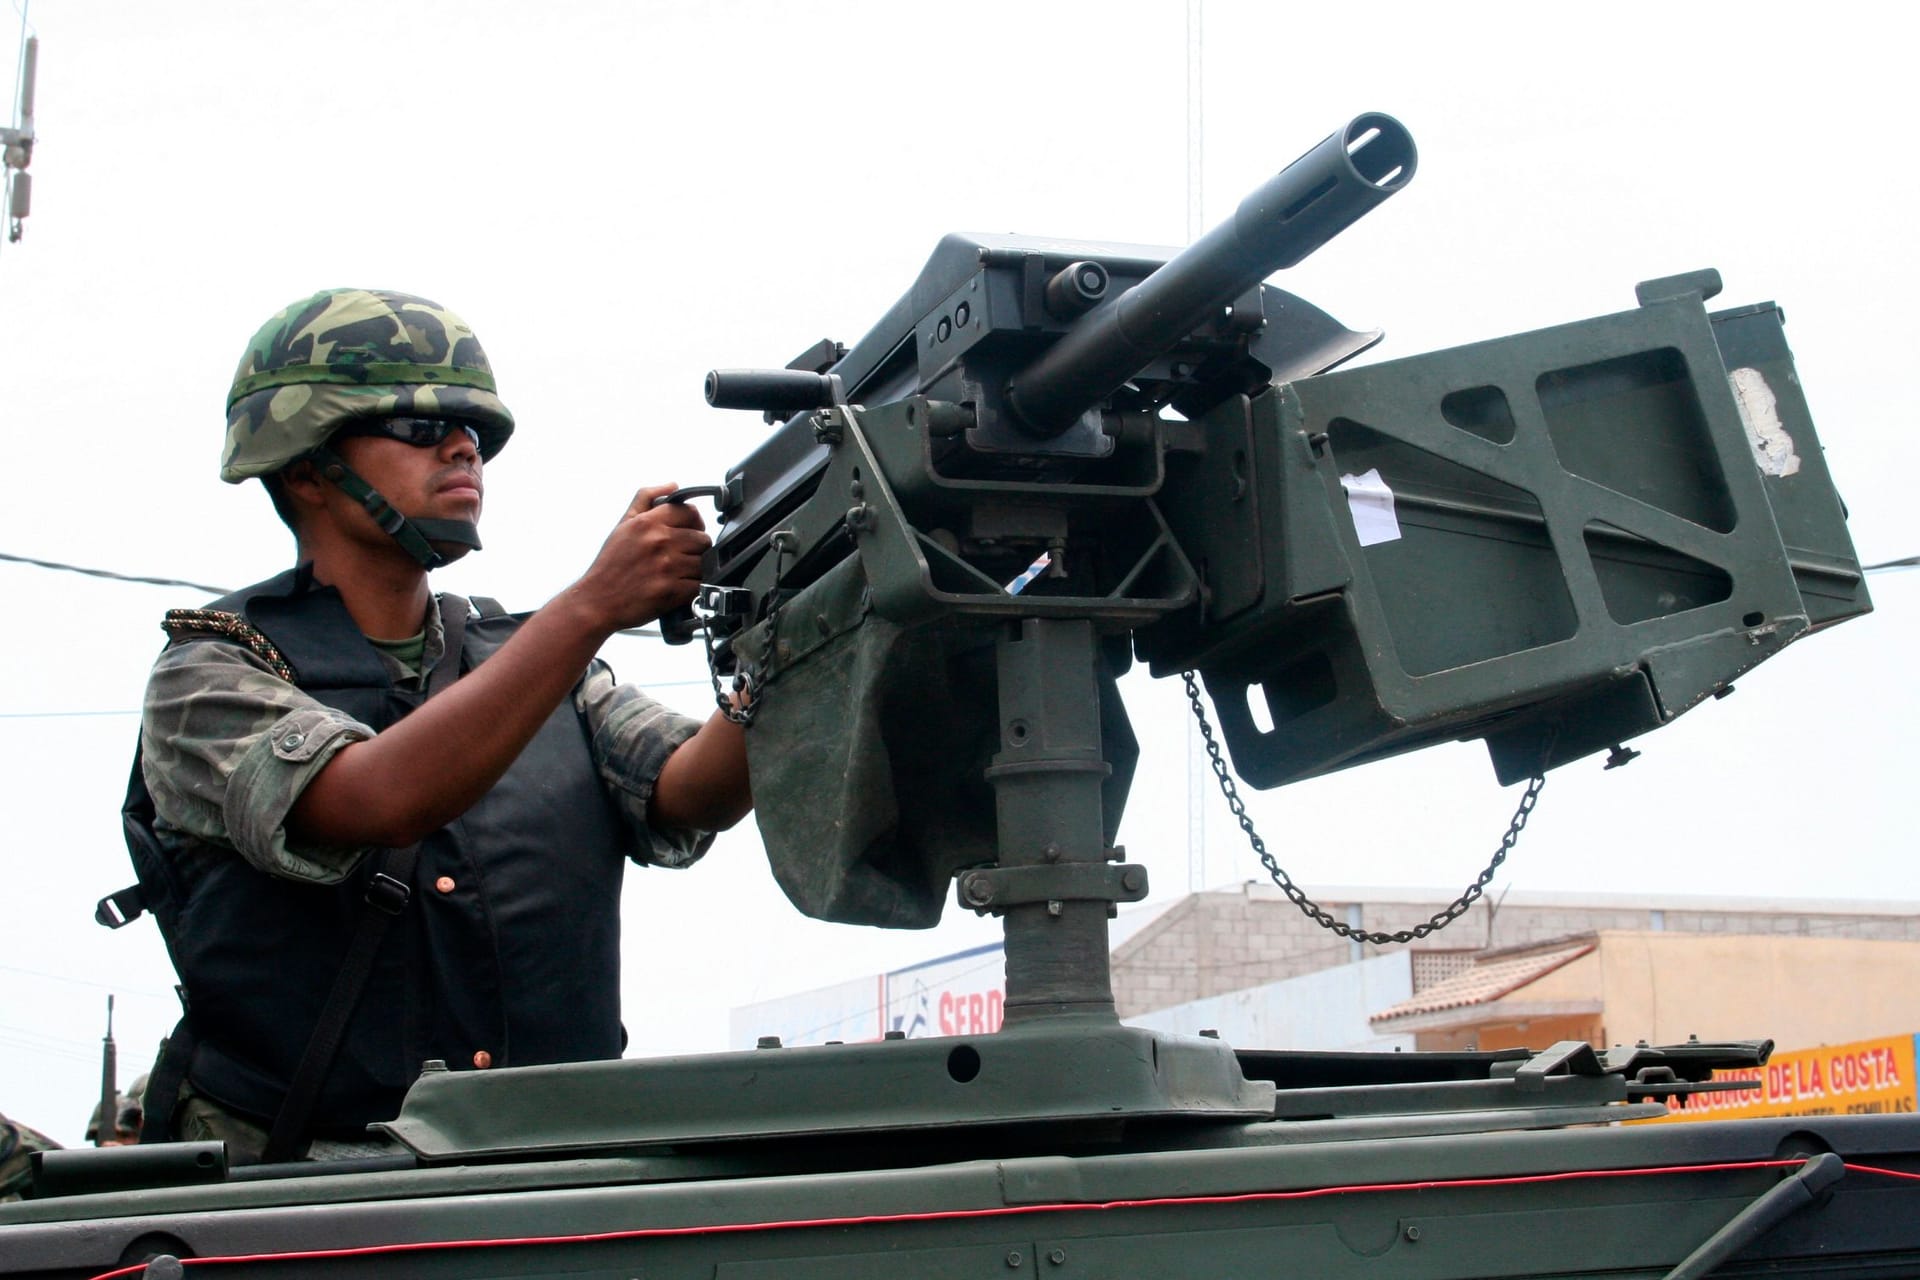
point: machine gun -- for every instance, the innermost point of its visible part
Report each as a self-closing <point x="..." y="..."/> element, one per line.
<point x="1051" y="456"/>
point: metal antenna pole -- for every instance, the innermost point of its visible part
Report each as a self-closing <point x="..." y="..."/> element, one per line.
<point x="106" y="1127"/>
<point x="16" y="140"/>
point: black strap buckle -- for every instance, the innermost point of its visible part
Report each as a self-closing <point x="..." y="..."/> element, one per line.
<point x="118" y="909"/>
<point x="388" y="894"/>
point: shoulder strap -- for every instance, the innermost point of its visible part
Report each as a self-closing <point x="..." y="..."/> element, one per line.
<point x="185" y="622"/>
<point x="388" y="891"/>
<point x="453" y="622"/>
<point x="162" y="1097"/>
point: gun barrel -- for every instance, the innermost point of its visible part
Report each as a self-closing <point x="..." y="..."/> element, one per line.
<point x="29" y="66"/>
<point x="1299" y="209"/>
<point x="106" y="1130"/>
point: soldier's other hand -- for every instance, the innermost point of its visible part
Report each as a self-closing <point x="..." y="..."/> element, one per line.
<point x="651" y="563"/>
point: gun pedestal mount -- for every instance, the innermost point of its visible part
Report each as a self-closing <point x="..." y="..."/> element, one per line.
<point x="1054" y="886"/>
<point x="983" y="722"/>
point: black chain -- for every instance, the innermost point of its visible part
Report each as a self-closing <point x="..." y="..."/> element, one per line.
<point x="740" y="705"/>
<point x="1313" y="910"/>
<point x="744" y="701"/>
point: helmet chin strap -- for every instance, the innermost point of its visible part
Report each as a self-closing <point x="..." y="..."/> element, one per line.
<point x="415" y="536"/>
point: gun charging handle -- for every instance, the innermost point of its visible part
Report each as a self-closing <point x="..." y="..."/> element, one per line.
<point x="774" y="391"/>
<point x="679" y="626"/>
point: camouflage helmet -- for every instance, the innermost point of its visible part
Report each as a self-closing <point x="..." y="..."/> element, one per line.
<point x="344" y="354"/>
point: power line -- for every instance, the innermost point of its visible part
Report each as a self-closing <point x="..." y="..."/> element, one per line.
<point x="111" y="575"/>
<point x="143" y="580"/>
<point x="49" y="1050"/>
<point x="1903" y="562"/>
<point x="134" y="711"/>
<point x="119" y="988"/>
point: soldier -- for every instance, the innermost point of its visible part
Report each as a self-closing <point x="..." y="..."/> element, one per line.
<point x="377" y="826"/>
<point x="17" y="1145"/>
<point x="126" y="1119"/>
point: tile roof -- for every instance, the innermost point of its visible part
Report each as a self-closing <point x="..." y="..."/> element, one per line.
<point x="1486" y="981"/>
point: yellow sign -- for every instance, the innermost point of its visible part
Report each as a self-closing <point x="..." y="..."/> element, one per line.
<point x="1867" y="1077"/>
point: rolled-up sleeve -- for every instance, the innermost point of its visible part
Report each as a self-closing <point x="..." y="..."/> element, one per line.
<point x="227" y="749"/>
<point x="632" y="737"/>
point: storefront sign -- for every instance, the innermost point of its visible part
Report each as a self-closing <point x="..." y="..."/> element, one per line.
<point x="1866" y="1077"/>
<point x="958" y="995"/>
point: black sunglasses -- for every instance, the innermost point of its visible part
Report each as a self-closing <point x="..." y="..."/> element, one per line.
<point x="421" y="432"/>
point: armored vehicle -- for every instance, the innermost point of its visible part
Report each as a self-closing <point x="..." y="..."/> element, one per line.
<point x="1050" y="459"/>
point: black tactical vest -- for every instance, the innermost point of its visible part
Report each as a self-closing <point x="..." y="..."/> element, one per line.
<point x="507" y="954"/>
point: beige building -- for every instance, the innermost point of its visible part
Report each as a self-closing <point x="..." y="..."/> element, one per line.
<point x="1619" y="987"/>
<point x="1533" y="968"/>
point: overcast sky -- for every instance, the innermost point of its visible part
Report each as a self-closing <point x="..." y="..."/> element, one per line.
<point x="620" y="196"/>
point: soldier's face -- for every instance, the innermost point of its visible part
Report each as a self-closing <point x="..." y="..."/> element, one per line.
<point x="424" y="482"/>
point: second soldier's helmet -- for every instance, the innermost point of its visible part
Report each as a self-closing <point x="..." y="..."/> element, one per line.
<point x="344" y="354"/>
<point x="129" y="1110"/>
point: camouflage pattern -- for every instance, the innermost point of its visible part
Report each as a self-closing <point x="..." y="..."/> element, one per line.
<point x="17" y="1145"/>
<point x="199" y="1118"/>
<point x="344" y="354"/>
<point x="228" y="746"/>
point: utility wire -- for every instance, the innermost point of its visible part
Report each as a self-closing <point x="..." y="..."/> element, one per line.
<point x="110" y="574"/>
<point x="1904" y="562"/>
<point x="218" y="591"/>
<point x="134" y="711"/>
<point x="119" y="988"/>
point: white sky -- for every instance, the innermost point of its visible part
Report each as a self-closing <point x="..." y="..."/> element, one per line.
<point x="620" y="196"/>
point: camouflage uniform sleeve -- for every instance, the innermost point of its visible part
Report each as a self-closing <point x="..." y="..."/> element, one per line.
<point x="227" y="746"/>
<point x="17" y="1145"/>
<point x="632" y="737"/>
